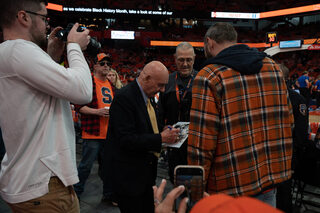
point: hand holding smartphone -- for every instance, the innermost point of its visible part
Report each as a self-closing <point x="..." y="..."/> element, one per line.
<point x="192" y="177"/>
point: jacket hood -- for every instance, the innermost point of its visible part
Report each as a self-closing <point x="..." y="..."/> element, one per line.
<point x="239" y="57"/>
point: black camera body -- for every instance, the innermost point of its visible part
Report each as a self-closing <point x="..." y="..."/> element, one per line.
<point x="93" y="47"/>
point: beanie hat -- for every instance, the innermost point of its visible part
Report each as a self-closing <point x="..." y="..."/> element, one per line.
<point x="221" y="203"/>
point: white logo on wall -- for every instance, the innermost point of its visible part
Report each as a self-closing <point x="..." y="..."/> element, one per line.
<point x="117" y="34"/>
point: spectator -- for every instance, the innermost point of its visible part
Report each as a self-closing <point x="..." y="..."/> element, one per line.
<point x="114" y="79"/>
<point x="39" y="167"/>
<point x="175" y="101"/>
<point x="317" y="91"/>
<point x="221" y="203"/>
<point x="94" y="124"/>
<point x="304" y="85"/>
<point x="300" y="137"/>
<point x="240" y="119"/>
<point x="135" y="140"/>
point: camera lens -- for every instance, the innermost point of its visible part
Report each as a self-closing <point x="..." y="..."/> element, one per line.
<point x="93" y="47"/>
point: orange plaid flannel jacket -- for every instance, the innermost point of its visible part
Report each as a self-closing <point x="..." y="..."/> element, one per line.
<point x="240" y="129"/>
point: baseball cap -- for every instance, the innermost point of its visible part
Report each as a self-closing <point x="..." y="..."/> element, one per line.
<point x="101" y="57"/>
<point x="221" y="203"/>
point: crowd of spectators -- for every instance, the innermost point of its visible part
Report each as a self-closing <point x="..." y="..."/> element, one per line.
<point x="300" y="61"/>
<point x="129" y="62"/>
<point x="191" y="30"/>
<point x="129" y="59"/>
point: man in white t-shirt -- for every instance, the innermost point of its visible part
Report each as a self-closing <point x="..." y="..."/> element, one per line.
<point x="39" y="167"/>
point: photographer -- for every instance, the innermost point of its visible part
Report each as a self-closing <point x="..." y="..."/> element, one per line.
<point x="39" y="167"/>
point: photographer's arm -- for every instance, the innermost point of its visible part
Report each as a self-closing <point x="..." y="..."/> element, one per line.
<point x="37" y="68"/>
<point x="55" y="45"/>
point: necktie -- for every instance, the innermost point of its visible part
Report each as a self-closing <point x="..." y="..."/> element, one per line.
<point x="153" y="119"/>
<point x="152" y="116"/>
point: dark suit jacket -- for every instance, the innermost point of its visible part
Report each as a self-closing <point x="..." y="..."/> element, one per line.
<point x="131" y="142"/>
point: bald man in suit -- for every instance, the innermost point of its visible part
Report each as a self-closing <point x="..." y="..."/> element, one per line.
<point x="135" y="141"/>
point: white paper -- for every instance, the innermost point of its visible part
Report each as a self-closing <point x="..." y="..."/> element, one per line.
<point x="184" y="131"/>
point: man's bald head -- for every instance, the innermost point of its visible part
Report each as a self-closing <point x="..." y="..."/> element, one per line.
<point x="153" y="78"/>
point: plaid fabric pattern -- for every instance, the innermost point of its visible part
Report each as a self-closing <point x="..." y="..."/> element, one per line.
<point x="240" y="129"/>
<point x="90" y="123"/>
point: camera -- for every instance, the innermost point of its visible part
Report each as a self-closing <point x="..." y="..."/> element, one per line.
<point x="93" y="47"/>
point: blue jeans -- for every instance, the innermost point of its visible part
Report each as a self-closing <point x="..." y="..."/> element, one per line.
<point x="269" y="197"/>
<point x="91" y="148"/>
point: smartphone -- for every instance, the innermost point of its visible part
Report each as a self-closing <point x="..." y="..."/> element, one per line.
<point x="192" y="177"/>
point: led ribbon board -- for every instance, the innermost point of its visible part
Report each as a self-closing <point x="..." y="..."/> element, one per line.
<point x="283" y="12"/>
<point x="290" y="44"/>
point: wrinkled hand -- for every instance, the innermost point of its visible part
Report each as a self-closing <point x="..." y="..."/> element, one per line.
<point x="103" y="112"/>
<point x="166" y="205"/>
<point x="55" y="45"/>
<point x="82" y="38"/>
<point x="170" y="135"/>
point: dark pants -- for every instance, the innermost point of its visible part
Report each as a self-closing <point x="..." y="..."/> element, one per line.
<point x="105" y="172"/>
<point x="284" y="196"/>
<point x="133" y="204"/>
<point x="177" y="157"/>
<point x="318" y="98"/>
<point x="305" y="92"/>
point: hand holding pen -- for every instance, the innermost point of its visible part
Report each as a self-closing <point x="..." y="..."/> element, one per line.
<point x="170" y="134"/>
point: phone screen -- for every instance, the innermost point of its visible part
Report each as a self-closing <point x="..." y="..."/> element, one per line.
<point x="192" y="179"/>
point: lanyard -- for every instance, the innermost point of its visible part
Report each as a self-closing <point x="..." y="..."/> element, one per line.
<point x="186" y="89"/>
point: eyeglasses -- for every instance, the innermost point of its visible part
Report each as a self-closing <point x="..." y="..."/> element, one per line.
<point x="102" y="63"/>
<point x="182" y="60"/>
<point x="45" y="18"/>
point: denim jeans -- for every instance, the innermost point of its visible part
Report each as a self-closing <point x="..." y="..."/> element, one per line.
<point x="91" y="148"/>
<point x="269" y="197"/>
